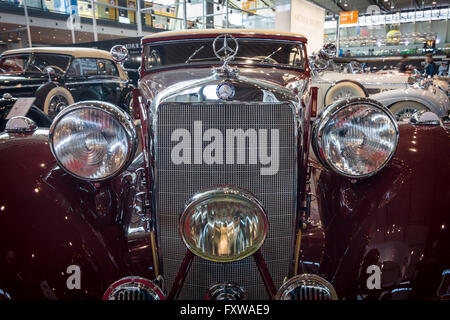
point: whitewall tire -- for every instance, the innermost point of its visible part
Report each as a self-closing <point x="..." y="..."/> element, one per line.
<point x="56" y="100"/>
<point x="344" y="89"/>
<point x="405" y="109"/>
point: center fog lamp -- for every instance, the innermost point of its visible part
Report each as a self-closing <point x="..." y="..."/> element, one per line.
<point x="93" y="140"/>
<point x="223" y="224"/>
<point x="355" y="137"/>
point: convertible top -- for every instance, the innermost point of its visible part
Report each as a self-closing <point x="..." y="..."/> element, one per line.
<point x="216" y="32"/>
<point x="76" y="52"/>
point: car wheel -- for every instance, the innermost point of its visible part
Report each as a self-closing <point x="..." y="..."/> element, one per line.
<point x="57" y="99"/>
<point x="405" y="109"/>
<point x="343" y="90"/>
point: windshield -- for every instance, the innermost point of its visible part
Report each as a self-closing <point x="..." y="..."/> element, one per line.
<point x="14" y="64"/>
<point x="41" y="62"/>
<point x="38" y="63"/>
<point x="251" y="52"/>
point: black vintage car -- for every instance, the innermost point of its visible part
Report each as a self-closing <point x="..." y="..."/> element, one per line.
<point x="58" y="77"/>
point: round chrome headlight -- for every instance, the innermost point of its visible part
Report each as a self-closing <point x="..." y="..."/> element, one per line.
<point x="306" y="287"/>
<point x="223" y="224"/>
<point x="93" y="140"/>
<point x="133" y="288"/>
<point x="355" y="137"/>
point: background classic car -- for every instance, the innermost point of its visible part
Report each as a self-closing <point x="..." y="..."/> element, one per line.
<point x="285" y="224"/>
<point x="337" y="82"/>
<point x="422" y="96"/>
<point x="60" y="76"/>
<point x="403" y="94"/>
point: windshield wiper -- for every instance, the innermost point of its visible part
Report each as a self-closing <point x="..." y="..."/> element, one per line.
<point x="270" y="55"/>
<point x="192" y="55"/>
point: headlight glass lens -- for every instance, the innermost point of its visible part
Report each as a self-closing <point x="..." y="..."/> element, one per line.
<point x="223" y="224"/>
<point x="91" y="143"/>
<point x="357" y="140"/>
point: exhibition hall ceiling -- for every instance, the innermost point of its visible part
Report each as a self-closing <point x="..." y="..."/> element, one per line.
<point x="336" y="6"/>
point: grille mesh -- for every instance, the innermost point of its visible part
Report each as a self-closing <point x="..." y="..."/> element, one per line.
<point x="177" y="183"/>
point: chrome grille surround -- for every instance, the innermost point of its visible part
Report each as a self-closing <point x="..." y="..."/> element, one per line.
<point x="133" y="288"/>
<point x="175" y="184"/>
<point x="226" y="291"/>
<point x="306" y="287"/>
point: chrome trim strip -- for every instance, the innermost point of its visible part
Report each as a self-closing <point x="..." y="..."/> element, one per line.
<point x="24" y="86"/>
<point x="99" y="81"/>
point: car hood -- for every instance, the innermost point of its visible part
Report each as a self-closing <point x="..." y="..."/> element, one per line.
<point x="156" y="82"/>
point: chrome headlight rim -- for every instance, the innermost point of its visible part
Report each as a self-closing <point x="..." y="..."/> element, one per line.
<point x="305" y="278"/>
<point x="134" y="282"/>
<point x="329" y="112"/>
<point x="209" y="194"/>
<point x="111" y="110"/>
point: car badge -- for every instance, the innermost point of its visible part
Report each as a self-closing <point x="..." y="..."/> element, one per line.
<point x="228" y="50"/>
<point x="225" y="91"/>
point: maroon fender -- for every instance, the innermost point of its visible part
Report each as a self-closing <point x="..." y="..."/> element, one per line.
<point x="398" y="219"/>
<point x="50" y="220"/>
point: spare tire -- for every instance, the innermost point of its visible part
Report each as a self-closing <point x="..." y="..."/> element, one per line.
<point x="57" y="99"/>
<point x="342" y="90"/>
<point x="405" y="109"/>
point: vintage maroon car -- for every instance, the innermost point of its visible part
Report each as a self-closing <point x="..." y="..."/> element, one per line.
<point x="216" y="195"/>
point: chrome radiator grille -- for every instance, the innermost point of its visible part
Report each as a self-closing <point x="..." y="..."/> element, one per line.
<point x="175" y="184"/>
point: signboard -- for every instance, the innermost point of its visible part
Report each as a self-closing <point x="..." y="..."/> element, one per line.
<point x="20" y="108"/>
<point x="164" y="10"/>
<point x="348" y="17"/>
<point x="249" y="5"/>
<point x="308" y="19"/>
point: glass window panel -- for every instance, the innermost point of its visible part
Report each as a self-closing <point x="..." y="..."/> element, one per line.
<point x="13" y="64"/>
<point x="107" y="67"/>
<point x="83" y="67"/>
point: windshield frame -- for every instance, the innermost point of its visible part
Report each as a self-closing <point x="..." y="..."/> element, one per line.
<point x="69" y="62"/>
<point x="216" y="62"/>
<point x="31" y="57"/>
